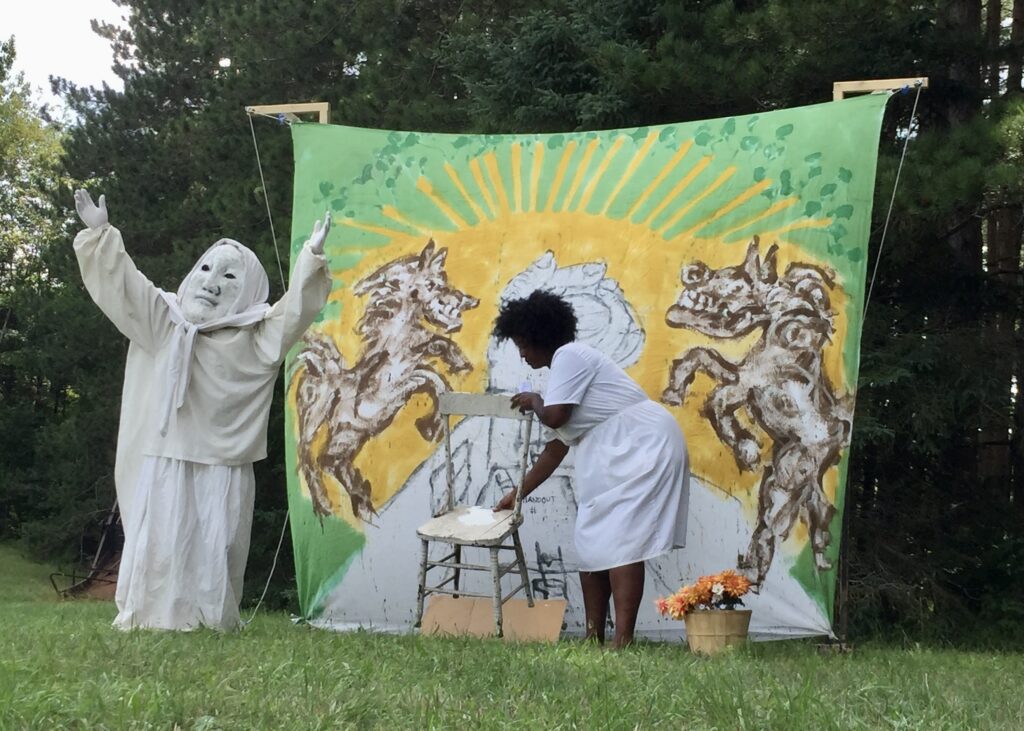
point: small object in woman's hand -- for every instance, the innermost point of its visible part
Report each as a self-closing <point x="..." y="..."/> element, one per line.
<point x="523" y="402"/>
<point x="507" y="502"/>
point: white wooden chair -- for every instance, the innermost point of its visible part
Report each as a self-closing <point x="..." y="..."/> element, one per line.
<point x="466" y="525"/>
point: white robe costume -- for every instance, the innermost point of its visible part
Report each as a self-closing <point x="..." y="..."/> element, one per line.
<point x="194" y="413"/>
<point x="632" y="469"/>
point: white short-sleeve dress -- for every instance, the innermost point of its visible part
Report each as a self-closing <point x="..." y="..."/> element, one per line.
<point x="632" y="471"/>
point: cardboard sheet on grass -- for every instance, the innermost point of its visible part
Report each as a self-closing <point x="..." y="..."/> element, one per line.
<point x="721" y="263"/>
<point x="474" y="617"/>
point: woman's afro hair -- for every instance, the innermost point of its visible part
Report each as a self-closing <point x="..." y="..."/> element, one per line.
<point x="543" y="320"/>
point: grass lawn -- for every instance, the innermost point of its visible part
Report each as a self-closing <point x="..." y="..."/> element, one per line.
<point x="62" y="666"/>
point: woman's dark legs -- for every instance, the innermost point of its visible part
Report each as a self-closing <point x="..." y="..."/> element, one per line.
<point x="625" y="585"/>
<point x="597" y="589"/>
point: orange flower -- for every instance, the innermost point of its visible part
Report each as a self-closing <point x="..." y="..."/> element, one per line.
<point x="736" y="585"/>
<point x="700" y="593"/>
<point x="679" y="604"/>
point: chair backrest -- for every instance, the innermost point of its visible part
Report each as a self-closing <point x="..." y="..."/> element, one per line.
<point x="454" y="403"/>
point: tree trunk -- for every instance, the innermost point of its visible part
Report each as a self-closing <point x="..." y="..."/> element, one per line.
<point x="961" y="102"/>
<point x="993" y="38"/>
<point x="1014" y="280"/>
<point x="1017" y="443"/>
<point x="1003" y="267"/>
<point x="999" y="438"/>
<point x="1013" y="76"/>
<point x="963" y="21"/>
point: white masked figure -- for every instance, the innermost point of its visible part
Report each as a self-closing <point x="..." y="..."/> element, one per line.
<point x="198" y="383"/>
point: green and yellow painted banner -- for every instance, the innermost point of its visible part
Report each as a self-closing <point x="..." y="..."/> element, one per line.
<point x="721" y="263"/>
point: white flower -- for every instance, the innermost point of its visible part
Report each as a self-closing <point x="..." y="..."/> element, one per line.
<point x="717" y="590"/>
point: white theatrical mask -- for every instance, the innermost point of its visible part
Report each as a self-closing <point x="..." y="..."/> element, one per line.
<point x="211" y="290"/>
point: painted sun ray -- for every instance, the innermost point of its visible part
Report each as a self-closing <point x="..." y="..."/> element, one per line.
<point x="718" y="182"/>
<point x="457" y="181"/>
<point x="581" y="170"/>
<point x="777" y="207"/>
<point x="383" y="230"/>
<point x="599" y="173"/>
<point x="395" y="215"/>
<point x="478" y="176"/>
<point x="729" y="207"/>
<point x="359" y="250"/>
<point x="517" y="177"/>
<point x="799" y="225"/>
<point x="567" y="153"/>
<point x="538" y="163"/>
<point x="668" y="168"/>
<point x="678" y="188"/>
<point x="423" y="185"/>
<point x="497" y="182"/>
<point x="631" y="168"/>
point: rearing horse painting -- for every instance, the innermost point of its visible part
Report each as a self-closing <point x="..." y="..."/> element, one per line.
<point x="410" y="311"/>
<point x="780" y="384"/>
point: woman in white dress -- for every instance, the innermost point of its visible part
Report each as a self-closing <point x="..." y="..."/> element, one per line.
<point x="631" y="469"/>
<point x="198" y="382"/>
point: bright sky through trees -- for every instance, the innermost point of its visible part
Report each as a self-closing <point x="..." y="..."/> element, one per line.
<point x="54" y="38"/>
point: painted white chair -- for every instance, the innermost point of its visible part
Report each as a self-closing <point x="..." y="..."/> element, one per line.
<point x="466" y="525"/>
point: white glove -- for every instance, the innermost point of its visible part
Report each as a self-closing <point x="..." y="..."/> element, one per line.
<point x="320" y="229"/>
<point x="92" y="215"/>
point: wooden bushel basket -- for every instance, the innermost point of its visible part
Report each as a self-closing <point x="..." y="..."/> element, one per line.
<point x="709" y="631"/>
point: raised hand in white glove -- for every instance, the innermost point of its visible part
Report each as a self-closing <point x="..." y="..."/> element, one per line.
<point x="319" y="235"/>
<point x="92" y="215"/>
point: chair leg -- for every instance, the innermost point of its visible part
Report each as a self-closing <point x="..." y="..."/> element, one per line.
<point x="421" y="591"/>
<point x="496" y="587"/>
<point x="458" y="572"/>
<point x="521" y="560"/>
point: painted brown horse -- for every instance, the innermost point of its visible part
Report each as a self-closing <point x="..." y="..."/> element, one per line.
<point x="780" y="384"/>
<point x="411" y="309"/>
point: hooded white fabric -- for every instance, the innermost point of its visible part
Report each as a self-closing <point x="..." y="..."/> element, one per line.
<point x="194" y="412"/>
<point x="248" y="308"/>
<point x="221" y="382"/>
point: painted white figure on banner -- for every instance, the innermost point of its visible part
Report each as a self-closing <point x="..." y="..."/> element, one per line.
<point x="632" y="471"/>
<point x="199" y="379"/>
<point x="604" y="319"/>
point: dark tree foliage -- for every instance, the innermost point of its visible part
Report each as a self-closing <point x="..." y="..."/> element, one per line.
<point x="935" y="497"/>
<point x="41" y="328"/>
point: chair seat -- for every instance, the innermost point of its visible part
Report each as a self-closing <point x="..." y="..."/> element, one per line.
<point x="468" y="524"/>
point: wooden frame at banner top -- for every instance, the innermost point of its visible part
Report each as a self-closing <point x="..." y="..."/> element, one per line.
<point x="291" y="111"/>
<point x="842" y="89"/>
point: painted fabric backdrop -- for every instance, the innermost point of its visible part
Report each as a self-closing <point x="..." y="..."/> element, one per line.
<point x="721" y="263"/>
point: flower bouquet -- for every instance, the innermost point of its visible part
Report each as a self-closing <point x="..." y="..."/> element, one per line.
<point x="708" y="606"/>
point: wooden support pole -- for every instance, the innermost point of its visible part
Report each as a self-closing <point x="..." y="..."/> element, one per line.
<point x="291" y="111"/>
<point x="842" y="89"/>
